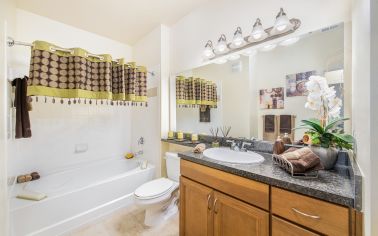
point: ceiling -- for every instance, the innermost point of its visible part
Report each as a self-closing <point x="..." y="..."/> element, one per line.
<point x="126" y="21"/>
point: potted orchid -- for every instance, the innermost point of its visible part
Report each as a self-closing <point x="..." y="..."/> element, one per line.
<point x="323" y="134"/>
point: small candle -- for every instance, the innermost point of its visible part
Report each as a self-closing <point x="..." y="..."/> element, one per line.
<point x="194" y="137"/>
<point x="180" y="135"/>
<point x="170" y="134"/>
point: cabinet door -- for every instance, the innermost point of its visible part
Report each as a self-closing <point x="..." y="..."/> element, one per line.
<point x="283" y="228"/>
<point x="233" y="218"/>
<point x="195" y="208"/>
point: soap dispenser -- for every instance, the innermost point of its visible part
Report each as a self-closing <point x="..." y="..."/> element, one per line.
<point x="286" y="139"/>
<point x="279" y="146"/>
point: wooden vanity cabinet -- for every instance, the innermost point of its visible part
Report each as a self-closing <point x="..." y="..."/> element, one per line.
<point x="282" y="227"/>
<point x="233" y="217"/>
<point x="196" y="215"/>
<point x="213" y="202"/>
<point x="204" y="211"/>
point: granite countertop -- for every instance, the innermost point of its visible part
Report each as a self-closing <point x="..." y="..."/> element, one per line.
<point x="329" y="186"/>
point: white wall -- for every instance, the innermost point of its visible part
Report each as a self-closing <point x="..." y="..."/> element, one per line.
<point x="319" y="51"/>
<point x="57" y="128"/>
<point x="363" y="107"/>
<point x="190" y="34"/>
<point x="374" y="112"/>
<point x="145" y="120"/>
<point x="150" y="122"/>
<point x="7" y="10"/>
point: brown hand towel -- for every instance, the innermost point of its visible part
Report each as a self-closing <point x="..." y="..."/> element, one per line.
<point x="302" y="160"/>
<point x="269" y="121"/>
<point x="285" y="124"/>
<point x="21" y="103"/>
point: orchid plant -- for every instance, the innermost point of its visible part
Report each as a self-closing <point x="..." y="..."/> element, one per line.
<point x="323" y="131"/>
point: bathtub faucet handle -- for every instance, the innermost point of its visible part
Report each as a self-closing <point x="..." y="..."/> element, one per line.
<point x="141" y="141"/>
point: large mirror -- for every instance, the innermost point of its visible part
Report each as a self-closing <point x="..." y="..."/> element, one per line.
<point x="263" y="94"/>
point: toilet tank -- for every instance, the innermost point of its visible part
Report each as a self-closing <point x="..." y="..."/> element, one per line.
<point x="173" y="166"/>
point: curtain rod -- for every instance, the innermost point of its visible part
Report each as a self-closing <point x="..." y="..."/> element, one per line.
<point x="11" y="42"/>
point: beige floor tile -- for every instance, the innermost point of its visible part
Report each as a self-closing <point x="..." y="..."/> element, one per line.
<point x="128" y="222"/>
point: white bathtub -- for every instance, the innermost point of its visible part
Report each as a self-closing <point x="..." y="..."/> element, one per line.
<point x="76" y="196"/>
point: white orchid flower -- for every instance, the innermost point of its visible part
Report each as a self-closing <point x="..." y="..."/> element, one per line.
<point x="322" y="97"/>
<point x="335" y="103"/>
<point x="334" y="112"/>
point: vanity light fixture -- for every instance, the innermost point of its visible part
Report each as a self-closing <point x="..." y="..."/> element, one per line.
<point x="238" y="40"/>
<point x="222" y="46"/>
<point x="258" y="33"/>
<point x="268" y="47"/>
<point x="209" y="51"/>
<point x="282" y="23"/>
<point x="289" y="41"/>
<point x="240" y="45"/>
<point x="233" y="57"/>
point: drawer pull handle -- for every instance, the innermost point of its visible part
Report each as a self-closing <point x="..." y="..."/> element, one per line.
<point x="215" y="205"/>
<point x="304" y="214"/>
<point x="208" y="202"/>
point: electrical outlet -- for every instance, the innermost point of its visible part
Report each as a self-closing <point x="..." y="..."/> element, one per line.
<point x="81" y="147"/>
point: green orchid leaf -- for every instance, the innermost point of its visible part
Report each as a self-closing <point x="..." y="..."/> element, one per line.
<point x="315" y="124"/>
<point x="344" y="137"/>
<point x="334" y="122"/>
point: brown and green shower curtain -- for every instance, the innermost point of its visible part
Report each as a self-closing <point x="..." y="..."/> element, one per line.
<point x="195" y="91"/>
<point x="75" y="73"/>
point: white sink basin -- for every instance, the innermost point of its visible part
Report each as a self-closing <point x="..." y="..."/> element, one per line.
<point x="230" y="156"/>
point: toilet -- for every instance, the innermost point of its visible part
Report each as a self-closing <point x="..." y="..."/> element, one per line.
<point x="159" y="197"/>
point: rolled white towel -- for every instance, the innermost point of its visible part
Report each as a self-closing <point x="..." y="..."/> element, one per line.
<point x="33" y="196"/>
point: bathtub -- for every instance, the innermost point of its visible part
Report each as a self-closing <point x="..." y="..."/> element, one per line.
<point x="76" y="196"/>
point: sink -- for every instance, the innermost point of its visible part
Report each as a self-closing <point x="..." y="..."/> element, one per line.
<point x="230" y="156"/>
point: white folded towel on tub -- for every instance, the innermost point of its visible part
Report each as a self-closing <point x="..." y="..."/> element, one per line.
<point x="33" y="196"/>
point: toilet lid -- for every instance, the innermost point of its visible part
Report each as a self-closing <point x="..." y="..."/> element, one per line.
<point x="154" y="188"/>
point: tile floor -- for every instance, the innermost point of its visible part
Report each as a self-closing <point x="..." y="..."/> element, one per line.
<point x="127" y="222"/>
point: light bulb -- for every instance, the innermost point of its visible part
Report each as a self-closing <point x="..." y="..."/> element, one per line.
<point x="208" y="52"/>
<point x="282" y="23"/>
<point x="268" y="47"/>
<point x="258" y="33"/>
<point x="221" y="45"/>
<point x="249" y="52"/>
<point x="233" y="57"/>
<point x="290" y="41"/>
<point x="238" y="39"/>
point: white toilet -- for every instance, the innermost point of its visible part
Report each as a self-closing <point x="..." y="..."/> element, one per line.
<point x="159" y="197"/>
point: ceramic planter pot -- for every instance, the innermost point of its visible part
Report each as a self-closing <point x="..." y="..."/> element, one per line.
<point x="328" y="156"/>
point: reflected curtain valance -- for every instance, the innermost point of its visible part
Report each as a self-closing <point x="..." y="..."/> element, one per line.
<point x="76" y="73"/>
<point x="195" y="91"/>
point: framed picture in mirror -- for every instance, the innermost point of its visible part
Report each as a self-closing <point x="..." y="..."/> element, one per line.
<point x="272" y="98"/>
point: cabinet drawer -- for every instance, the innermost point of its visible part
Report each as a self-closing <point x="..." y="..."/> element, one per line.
<point x="250" y="191"/>
<point x="284" y="228"/>
<point x="324" y="217"/>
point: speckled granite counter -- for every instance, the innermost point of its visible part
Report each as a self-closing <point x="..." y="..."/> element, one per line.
<point x="329" y="186"/>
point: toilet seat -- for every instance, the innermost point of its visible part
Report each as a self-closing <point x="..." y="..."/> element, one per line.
<point x="155" y="189"/>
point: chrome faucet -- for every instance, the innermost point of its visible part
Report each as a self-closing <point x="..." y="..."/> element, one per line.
<point x="243" y="149"/>
<point x="234" y="146"/>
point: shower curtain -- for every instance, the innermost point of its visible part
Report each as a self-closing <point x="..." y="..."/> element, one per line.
<point x="76" y="73"/>
<point x="195" y="91"/>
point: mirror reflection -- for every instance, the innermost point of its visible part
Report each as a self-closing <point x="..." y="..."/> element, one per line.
<point x="262" y="93"/>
